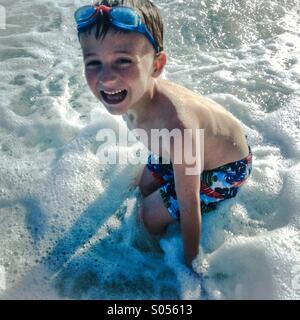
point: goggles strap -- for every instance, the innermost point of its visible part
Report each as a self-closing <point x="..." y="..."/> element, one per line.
<point x="103" y="8"/>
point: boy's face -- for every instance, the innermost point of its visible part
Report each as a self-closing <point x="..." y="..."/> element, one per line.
<point x="119" y="69"/>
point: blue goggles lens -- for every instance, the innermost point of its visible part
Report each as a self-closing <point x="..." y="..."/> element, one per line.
<point x="124" y="18"/>
<point x="84" y="13"/>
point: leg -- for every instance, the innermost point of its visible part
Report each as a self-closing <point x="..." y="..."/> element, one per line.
<point x="147" y="182"/>
<point x="154" y="214"/>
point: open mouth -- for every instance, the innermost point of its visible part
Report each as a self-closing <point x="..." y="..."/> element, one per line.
<point x="114" y="97"/>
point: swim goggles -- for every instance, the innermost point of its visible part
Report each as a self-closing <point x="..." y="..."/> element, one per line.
<point x="121" y="17"/>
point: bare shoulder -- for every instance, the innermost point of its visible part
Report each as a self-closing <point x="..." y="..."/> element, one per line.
<point x="191" y="108"/>
<point x="224" y="136"/>
<point x="178" y="104"/>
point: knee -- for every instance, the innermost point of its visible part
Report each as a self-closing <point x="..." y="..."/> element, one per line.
<point x="144" y="218"/>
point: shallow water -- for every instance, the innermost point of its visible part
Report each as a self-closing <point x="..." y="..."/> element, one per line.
<point x="67" y="223"/>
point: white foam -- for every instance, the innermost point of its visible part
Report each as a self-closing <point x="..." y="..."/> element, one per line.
<point x="2" y="278"/>
<point x="246" y="268"/>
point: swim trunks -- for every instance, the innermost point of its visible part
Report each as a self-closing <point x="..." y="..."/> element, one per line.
<point x="217" y="185"/>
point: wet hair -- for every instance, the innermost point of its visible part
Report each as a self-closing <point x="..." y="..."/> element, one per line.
<point x="148" y="12"/>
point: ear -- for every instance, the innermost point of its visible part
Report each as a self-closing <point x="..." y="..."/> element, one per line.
<point x="159" y="63"/>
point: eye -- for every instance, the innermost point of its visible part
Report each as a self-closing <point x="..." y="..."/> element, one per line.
<point x="93" y="63"/>
<point x="123" y="61"/>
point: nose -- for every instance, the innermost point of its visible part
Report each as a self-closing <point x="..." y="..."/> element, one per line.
<point x="106" y="77"/>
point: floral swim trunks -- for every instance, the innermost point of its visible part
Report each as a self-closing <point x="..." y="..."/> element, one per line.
<point x="217" y="185"/>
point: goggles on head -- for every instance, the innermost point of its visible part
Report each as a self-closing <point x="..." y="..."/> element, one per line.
<point x="121" y="17"/>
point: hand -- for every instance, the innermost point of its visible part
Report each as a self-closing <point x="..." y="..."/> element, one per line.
<point x="189" y="258"/>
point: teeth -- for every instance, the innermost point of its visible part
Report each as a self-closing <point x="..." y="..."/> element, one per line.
<point x="113" y="92"/>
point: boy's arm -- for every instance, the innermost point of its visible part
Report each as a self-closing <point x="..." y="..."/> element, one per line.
<point x="188" y="196"/>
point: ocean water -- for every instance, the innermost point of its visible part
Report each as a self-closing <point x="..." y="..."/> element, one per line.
<point x="67" y="223"/>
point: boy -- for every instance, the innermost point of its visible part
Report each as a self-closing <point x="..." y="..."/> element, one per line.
<point x="124" y="57"/>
